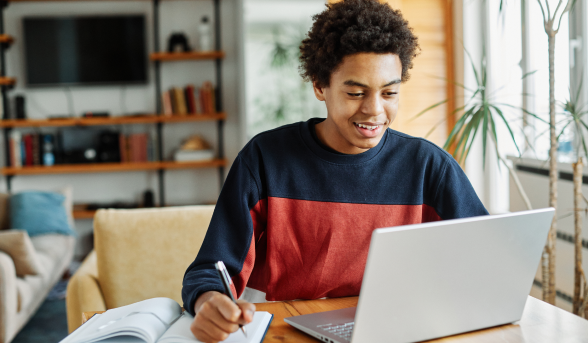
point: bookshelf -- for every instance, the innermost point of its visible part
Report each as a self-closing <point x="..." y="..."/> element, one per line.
<point x="7" y="81"/>
<point x="157" y="118"/>
<point x="122" y="120"/>
<point x="6" y="39"/>
<point x="186" y="56"/>
<point x="110" y="167"/>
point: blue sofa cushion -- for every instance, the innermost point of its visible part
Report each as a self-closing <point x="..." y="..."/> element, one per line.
<point x="39" y="213"/>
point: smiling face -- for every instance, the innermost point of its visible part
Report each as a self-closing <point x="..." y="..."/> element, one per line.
<point x="362" y="101"/>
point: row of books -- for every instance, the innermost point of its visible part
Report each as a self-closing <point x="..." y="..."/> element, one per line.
<point x="136" y="147"/>
<point x="189" y="100"/>
<point x="33" y="149"/>
<point x="41" y="149"/>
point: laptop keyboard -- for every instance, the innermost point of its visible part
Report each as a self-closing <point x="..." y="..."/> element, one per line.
<point x="341" y="330"/>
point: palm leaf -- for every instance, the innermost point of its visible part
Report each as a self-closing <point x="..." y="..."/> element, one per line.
<point x="458" y="126"/>
<point x="427" y="109"/>
<point x="473" y="138"/>
<point x="485" y="114"/>
<point x="508" y="127"/>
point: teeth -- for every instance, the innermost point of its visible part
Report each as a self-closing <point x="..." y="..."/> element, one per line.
<point x="369" y="127"/>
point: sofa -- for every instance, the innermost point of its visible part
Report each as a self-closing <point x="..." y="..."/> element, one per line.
<point x="138" y="254"/>
<point x="21" y="295"/>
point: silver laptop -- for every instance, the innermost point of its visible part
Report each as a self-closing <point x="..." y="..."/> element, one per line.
<point x="437" y="279"/>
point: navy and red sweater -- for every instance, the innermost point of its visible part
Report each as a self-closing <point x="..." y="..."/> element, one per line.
<point x="294" y="218"/>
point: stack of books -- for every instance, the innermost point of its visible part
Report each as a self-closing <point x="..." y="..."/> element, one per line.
<point x="189" y="100"/>
<point x="136" y="147"/>
<point x="28" y="149"/>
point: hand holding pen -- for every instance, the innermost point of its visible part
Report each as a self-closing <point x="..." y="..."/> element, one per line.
<point x="223" y="274"/>
<point x="217" y="316"/>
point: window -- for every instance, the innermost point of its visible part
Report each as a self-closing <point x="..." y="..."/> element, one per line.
<point x="275" y="92"/>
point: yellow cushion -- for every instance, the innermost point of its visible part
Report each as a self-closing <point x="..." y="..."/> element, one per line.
<point x="144" y="253"/>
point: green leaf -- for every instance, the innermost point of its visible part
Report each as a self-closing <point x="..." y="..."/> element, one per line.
<point x="478" y="81"/>
<point x="524" y="110"/>
<point x="473" y="138"/>
<point x="453" y="82"/>
<point x="434" y="127"/>
<point x="485" y="135"/>
<point x="461" y="134"/>
<point x="508" y="127"/>
<point x="427" y="109"/>
<point x="529" y="74"/>
<point x="456" y="129"/>
<point x="495" y="139"/>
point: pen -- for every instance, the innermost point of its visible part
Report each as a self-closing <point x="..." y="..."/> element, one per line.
<point x="223" y="274"/>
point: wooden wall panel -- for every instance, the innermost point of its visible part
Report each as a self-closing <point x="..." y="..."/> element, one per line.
<point x="431" y="22"/>
<point x="427" y="84"/>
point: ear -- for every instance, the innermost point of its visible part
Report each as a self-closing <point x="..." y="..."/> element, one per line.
<point x="318" y="91"/>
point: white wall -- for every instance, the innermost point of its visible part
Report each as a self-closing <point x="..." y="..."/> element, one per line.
<point x="182" y="186"/>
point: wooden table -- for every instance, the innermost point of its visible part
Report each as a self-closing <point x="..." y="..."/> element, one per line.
<point x="540" y="323"/>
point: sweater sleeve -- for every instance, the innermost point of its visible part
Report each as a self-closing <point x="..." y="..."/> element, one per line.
<point x="228" y="238"/>
<point x="455" y="196"/>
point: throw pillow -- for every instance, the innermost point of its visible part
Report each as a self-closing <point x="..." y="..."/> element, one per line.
<point x="39" y="213"/>
<point x="18" y="245"/>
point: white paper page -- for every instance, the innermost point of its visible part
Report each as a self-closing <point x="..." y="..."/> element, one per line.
<point x="180" y="332"/>
<point x="147" y="320"/>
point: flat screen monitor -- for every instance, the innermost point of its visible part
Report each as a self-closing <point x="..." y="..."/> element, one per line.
<point x="85" y="50"/>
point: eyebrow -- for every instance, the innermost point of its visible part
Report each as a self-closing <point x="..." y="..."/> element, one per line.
<point x="359" y="84"/>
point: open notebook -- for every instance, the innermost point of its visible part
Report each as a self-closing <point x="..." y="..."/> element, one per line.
<point x="155" y="320"/>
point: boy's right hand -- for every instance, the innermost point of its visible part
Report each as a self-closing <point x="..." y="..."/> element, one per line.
<point x="217" y="316"/>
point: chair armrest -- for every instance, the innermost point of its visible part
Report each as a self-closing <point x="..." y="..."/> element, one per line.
<point x="8" y="298"/>
<point x="83" y="293"/>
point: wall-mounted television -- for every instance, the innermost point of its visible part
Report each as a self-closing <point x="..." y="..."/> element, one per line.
<point x="85" y="50"/>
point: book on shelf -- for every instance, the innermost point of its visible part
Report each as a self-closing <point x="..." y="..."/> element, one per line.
<point x="207" y="96"/>
<point x="22" y="153"/>
<point x="37" y="143"/>
<point x="197" y="101"/>
<point x="135" y="148"/>
<point x="193" y="155"/>
<point x="31" y="150"/>
<point x="166" y="103"/>
<point x="179" y="100"/>
<point x="157" y="320"/>
<point x="15" y="149"/>
<point x="189" y="100"/>
<point x="28" y="150"/>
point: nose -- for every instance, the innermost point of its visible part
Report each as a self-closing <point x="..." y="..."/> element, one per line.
<point x="372" y="105"/>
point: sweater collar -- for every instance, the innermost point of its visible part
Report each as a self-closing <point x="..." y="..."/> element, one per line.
<point x="320" y="151"/>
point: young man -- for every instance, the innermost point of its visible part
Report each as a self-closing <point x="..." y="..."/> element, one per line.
<point x="296" y="213"/>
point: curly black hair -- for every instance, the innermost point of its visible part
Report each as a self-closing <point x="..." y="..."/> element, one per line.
<point x="353" y="26"/>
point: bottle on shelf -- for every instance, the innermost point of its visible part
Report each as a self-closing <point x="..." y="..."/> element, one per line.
<point x="48" y="150"/>
<point x="204" y="39"/>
